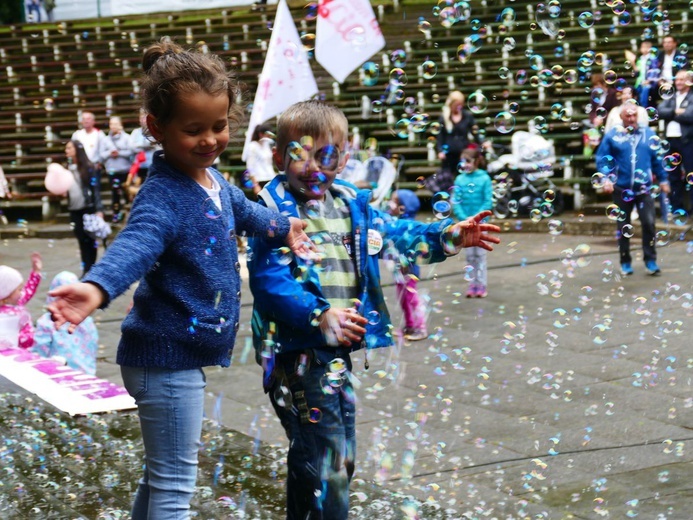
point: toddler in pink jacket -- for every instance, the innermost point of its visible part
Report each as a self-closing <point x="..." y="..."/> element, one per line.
<point x="14" y="295"/>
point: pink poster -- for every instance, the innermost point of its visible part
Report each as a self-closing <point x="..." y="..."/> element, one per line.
<point x="66" y="388"/>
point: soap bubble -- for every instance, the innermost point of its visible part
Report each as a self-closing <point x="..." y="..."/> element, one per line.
<point x="441" y="205"/>
<point x="477" y="102"/>
<point x="504" y="122"/>
<point x="429" y="69"/>
<point x="586" y="20"/>
<point x="371" y="71"/>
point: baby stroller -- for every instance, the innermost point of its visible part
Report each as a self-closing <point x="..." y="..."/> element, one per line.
<point x="377" y="173"/>
<point x="522" y="178"/>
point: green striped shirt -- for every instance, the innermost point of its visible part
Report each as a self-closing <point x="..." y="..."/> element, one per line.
<point x="329" y="227"/>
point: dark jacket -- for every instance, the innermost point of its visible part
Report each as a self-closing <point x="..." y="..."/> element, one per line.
<point x="667" y="111"/>
<point x="457" y="139"/>
<point x="680" y="62"/>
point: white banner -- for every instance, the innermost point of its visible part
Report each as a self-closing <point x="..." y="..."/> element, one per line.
<point x="66" y="388"/>
<point x="76" y="9"/>
<point x="121" y="7"/>
<point x="286" y="76"/>
<point x="347" y="35"/>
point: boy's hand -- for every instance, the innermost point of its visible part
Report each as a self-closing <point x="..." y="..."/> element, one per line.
<point x="299" y="242"/>
<point x="341" y="327"/>
<point x="36" y="262"/>
<point x="74" y="303"/>
<point x="473" y="232"/>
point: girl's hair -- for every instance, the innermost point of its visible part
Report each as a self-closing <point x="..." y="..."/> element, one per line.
<point x="312" y="118"/>
<point x="171" y="72"/>
<point x="84" y="165"/>
<point x="473" y="153"/>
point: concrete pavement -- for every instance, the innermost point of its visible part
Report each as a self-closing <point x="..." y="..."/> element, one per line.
<point x="564" y="394"/>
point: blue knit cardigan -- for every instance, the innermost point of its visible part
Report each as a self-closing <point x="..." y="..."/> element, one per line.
<point x="183" y="251"/>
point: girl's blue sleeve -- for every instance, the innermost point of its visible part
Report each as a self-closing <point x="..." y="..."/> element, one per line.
<point x="255" y="219"/>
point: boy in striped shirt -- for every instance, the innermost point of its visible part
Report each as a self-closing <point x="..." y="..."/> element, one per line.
<point x="310" y="315"/>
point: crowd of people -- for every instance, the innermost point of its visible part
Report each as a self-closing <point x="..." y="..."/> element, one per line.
<point x="186" y="308"/>
<point x="630" y="151"/>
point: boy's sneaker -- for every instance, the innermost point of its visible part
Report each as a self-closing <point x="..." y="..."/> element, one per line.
<point x="471" y="292"/>
<point x="415" y="334"/>
<point x="626" y="269"/>
<point x="652" y="268"/>
<point x="481" y="291"/>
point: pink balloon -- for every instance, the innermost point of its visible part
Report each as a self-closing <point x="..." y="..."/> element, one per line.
<point x="58" y="179"/>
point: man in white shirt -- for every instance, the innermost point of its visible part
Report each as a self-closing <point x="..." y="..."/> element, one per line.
<point x="670" y="60"/>
<point x="677" y="113"/>
<point x="91" y="137"/>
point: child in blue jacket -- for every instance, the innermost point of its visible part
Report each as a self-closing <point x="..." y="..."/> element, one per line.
<point x="473" y="193"/>
<point x="309" y="316"/>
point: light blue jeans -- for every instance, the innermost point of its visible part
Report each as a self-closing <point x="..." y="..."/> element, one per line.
<point x="476" y="257"/>
<point x="170" y="405"/>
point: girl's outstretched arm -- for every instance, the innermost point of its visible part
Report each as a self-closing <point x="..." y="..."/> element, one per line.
<point x="74" y="303"/>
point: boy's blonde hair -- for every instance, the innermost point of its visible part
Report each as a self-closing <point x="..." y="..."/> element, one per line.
<point x="312" y="118"/>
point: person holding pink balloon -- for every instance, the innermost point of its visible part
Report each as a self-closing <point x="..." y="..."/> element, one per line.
<point x="84" y="197"/>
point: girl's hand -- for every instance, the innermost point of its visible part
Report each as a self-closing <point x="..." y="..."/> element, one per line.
<point x="298" y="241"/>
<point x="36" y="262"/>
<point x="473" y="232"/>
<point x="74" y="303"/>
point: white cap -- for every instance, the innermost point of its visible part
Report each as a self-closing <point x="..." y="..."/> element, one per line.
<point x="10" y="279"/>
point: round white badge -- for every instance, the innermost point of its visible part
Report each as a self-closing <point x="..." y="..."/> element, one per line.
<point x="375" y="242"/>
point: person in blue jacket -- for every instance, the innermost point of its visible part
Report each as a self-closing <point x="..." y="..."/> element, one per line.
<point x="180" y="244"/>
<point x="473" y="193"/>
<point x="308" y="316"/>
<point x="629" y="162"/>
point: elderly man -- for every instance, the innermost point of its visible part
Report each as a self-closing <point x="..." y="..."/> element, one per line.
<point x="629" y="164"/>
<point x="91" y="137"/>
<point x="677" y="112"/>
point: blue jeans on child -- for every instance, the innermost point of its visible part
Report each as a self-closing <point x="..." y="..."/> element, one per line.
<point x="318" y="414"/>
<point x="170" y="405"/>
<point x="476" y="257"/>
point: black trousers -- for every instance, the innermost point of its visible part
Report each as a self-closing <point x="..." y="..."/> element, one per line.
<point x="88" y="247"/>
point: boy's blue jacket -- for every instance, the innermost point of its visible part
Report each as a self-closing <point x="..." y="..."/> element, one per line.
<point x="288" y="298"/>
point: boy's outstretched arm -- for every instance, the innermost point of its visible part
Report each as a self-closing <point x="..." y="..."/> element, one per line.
<point x="74" y="303"/>
<point x="471" y="233"/>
